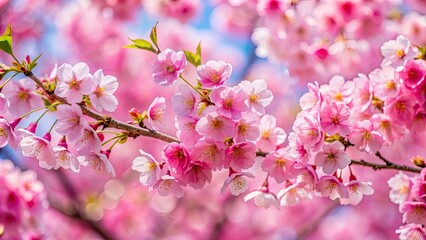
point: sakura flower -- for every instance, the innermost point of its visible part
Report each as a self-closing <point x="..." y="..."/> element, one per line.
<point x="71" y="121"/>
<point x="401" y="109"/>
<point x="240" y="156"/>
<point x="168" y="66"/>
<point x="294" y="194"/>
<point x="306" y="175"/>
<point x="312" y="98"/>
<point x="270" y="7"/>
<point x="363" y="93"/>
<point x="185" y="101"/>
<point x="186" y="132"/>
<point x="338" y="89"/>
<point x="397" y="52"/>
<point x="413" y="212"/>
<point x="247" y="128"/>
<point x="209" y="152"/>
<point x="156" y="112"/>
<point x="74" y="82"/>
<point x="258" y="96"/>
<point x="4" y="103"/>
<point x="279" y="165"/>
<point x="7" y="135"/>
<point x="197" y="174"/>
<point x="177" y="157"/>
<point x="411" y="232"/>
<point x="103" y="89"/>
<point x="22" y="96"/>
<point x="97" y="161"/>
<point x="167" y="185"/>
<point x="148" y="167"/>
<point x="229" y="101"/>
<point x="270" y="135"/>
<point x="88" y="142"/>
<point x="413" y="73"/>
<point x="262" y="198"/>
<point x="386" y="84"/>
<point x="65" y="158"/>
<point x="39" y="148"/>
<point x="365" y="138"/>
<point x="237" y="183"/>
<point x="387" y="126"/>
<point x="356" y="191"/>
<point x="308" y="131"/>
<point x="400" y="185"/>
<point x="215" y="126"/>
<point x="332" y="157"/>
<point x="214" y="73"/>
<point x="335" y="117"/>
<point x="331" y="187"/>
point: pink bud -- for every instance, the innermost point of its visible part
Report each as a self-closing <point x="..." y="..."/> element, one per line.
<point x="47" y="136"/>
<point x="32" y="127"/>
<point x="101" y="136"/>
<point x="28" y="59"/>
<point x="15" y="123"/>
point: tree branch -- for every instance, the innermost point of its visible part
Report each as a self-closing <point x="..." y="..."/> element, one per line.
<point x="390" y="165"/>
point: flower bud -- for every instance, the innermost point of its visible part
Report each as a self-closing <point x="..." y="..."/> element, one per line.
<point x="419" y="161"/>
<point x="136" y="115"/>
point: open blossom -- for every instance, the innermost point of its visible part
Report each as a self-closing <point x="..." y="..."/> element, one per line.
<point x="397" y="52"/>
<point x="401" y="109"/>
<point x="400" y="185"/>
<point x="270" y="135"/>
<point x="74" y="82"/>
<point x="338" y="89"/>
<point x="332" y="157"/>
<point x="214" y="73"/>
<point x="167" y="185"/>
<point x="88" y="142"/>
<point x="39" y="148"/>
<point x="411" y="232"/>
<point x="229" y="101"/>
<point x="209" y="152"/>
<point x="331" y="187"/>
<point x="148" y="167"/>
<point x="177" y="157"/>
<point x="240" y="156"/>
<point x="294" y="194"/>
<point x="311" y="99"/>
<point x="262" y="198"/>
<point x="71" y="121"/>
<point x="391" y="130"/>
<point x="97" y="161"/>
<point x="365" y="138"/>
<point x="185" y="101"/>
<point x="385" y="83"/>
<point x="356" y="191"/>
<point x="413" y="212"/>
<point x="363" y="93"/>
<point x="4" y="103"/>
<point x="102" y="93"/>
<point x="335" y="117"/>
<point x="168" y="66"/>
<point x="247" y="128"/>
<point x="279" y="164"/>
<point x="237" y="183"/>
<point x="197" y="174"/>
<point x="21" y="96"/>
<point x="65" y="158"/>
<point x="7" y="135"/>
<point x="215" y="126"/>
<point x="308" y="131"/>
<point x="156" y="112"/>
<point x="258" y="96"/>
<point x="186" y="132"/>
<point x="413" y="74"/>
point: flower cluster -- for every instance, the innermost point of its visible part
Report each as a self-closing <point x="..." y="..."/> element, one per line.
<point x="410" y="194"/>
<point x="22" y="203"/>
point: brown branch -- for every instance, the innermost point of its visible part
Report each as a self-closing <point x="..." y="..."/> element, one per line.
<point x="386" y="166"/>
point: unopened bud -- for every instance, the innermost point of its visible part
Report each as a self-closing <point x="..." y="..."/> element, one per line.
<point x="136" y="115"/>
<point x="419" y="161"/>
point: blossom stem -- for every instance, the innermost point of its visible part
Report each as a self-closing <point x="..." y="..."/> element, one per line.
<point x="111" y="139"/>
<point x="54" y="123"/>
<point x="192" y="86"/>
<point x="47" y="110"/>
<point x="33" y="111"/>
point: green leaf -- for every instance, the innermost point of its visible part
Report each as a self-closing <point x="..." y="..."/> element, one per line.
<point x="141" y="44"/>
<point x="194" y="58"/>
<point x="199" y="50"/>
<point x="153" y="36"/>
<point x="34" y="62"/>
<point x="6" y="40"/>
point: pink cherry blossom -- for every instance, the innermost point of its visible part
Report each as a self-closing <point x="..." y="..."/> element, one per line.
<point x="262" y="198"/>
<point x="363" y="93"/>
<point x="177" y="157"/>
<point x="356" y="191"/>
<point x="229" y="101"/>
<point x="197" y="174"/>
<point x="391" y="130"/>
<point x="240" y="156"/>
<point x="401" y="109"/>
<point x="338" y="89"/>
<point x="185" y="101"/>
<point x="413" y="212"/>
<point x="270" y="135"/>
<point x="7" y="135"/>
<point x="71" y="121"/>
<point x="385" y="83"/>
<point x="312" y="98"/>
<point x="397" y="52"/>
<point x="74" y="82"/>
<point x="332" y="157"/>
<point x="308" y="131"/>
<point x="156" y="112"/>
<point x="294" y="194"/>
<point x="215" y="126"/>
<point x="4" y="103"/>
<point x="258" y="96"/>
<point x="186" y="132"/>
<point x="21" y="96"/>
<point x="65" y="158"/>
<point x="247" y="128"/>
<point x="168" y="66"/>
<point x="97" y="161"/>
<point x="279" y="165"/>
<point x="331" y="187"/>
<point x="209" y="152"/>
<point x="167" y="185"/>
<point x="148" y="167"/>
<point x="39" y="148"/>
<point x="335" y="117"/>
<point x="400" y="185"/>
<point x="411" y="232"/>
<point x="365" y="138"/>
<point x="103" y="89"/>
<point x="413" y="74"/>
<point x="237" y="183"/>
<point x="88" y="142"/>
<point x="214" y="73"/>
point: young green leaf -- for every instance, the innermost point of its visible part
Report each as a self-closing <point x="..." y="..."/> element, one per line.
<point x="153" y="36"/>
<point x="6" y="40"/>
<point x="141" y="44"/>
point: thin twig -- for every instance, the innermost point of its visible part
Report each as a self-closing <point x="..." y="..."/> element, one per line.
<point x="386" y="166"/>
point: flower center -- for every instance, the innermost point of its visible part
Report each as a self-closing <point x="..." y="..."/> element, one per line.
<point x="400" y="53"/>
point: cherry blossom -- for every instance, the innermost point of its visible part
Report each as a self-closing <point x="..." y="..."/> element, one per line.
<point x="102" y="96"/>
<point x="332" y="157"/>
<point x="148" y="167"/>
<point x="214" y="73"/>
<point x="74" y="82"/>
<point x="237" y="183"/>
<point x="168" y="66"/>
<point x="71" y="121"/>
<point x="21" y="96"/>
